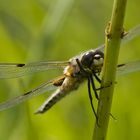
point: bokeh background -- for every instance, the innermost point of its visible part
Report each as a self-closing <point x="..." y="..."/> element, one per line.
<point x="42" y="30"/>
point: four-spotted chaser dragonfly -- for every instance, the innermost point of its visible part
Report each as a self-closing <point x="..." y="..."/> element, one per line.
<point x="86" y="66"/>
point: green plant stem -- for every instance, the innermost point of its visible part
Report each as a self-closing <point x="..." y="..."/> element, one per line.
<point x="112" y="46"/>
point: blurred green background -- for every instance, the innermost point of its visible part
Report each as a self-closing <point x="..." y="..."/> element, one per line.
<point x="41" y="30"/>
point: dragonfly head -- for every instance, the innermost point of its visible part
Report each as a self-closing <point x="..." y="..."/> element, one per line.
<point x="93" y="60"/>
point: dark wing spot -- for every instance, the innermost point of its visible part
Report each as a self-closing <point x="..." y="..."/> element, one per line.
<point x="120" y="65"/>
<point x="27" y="93"/>
<point x="20" y="65"/>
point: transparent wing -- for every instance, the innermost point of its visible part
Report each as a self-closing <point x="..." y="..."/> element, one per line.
<point x="133" y="33"/>
<point x="13" y="70"/>
<point x="37" y="91"/>
<point x="127" y="68"/>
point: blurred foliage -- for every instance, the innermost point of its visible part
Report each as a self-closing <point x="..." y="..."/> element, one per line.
<point x="34" y="30"/>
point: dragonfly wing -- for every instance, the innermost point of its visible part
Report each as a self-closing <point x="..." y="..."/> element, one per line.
<point x="128" y="68"/>
<point x="13" y="70"/>
<point x="133" y="33"/>
<point x="51" y="85"/>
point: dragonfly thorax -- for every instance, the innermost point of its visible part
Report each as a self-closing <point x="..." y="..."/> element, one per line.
<point x="91" y="61"/>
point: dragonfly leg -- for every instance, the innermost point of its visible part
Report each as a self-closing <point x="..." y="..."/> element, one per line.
<point x="90" y="97"/>
<point x="81" y="67"/>
<point x="93" y="87"/>
<point x="97" y="78"/>
<point x="90" y="83"/>
<point x="110" y="114"/>
<point x="104" y="86"/>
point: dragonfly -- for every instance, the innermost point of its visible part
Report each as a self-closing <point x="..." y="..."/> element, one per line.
<point x="86" y="66"/>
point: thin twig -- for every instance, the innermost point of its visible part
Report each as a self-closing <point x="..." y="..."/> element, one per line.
<point x="113" y="40"/>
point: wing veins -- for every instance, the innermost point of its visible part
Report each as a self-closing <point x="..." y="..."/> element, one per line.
<point x="50" y="85"/>
<point x="127" y="68"/>
<point x="14" y="70"/>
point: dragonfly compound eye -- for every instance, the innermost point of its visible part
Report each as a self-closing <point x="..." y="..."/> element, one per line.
<point x="87" y="59"/>
<point x="92" y="59"/>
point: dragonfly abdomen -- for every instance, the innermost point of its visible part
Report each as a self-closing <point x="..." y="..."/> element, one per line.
<point x="56" y="96"/>
<point x="68" y="85"/>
